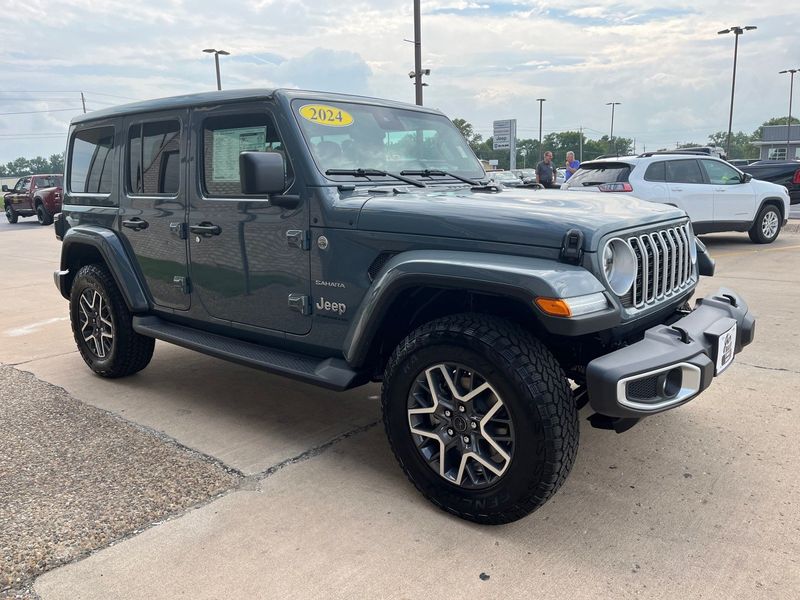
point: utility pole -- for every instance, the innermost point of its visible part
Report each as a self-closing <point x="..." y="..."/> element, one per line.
<point x="418" y="52"/>
<point x="613" y="105"/>
<point x="83" y="102"/>
<point x="789" y="121"/>
<point x="737" y="31"/>
<point x="580" y="143"/>
<point x="541" y="102"/>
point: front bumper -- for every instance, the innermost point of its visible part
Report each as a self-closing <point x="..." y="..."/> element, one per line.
<point x="672" y="364"/>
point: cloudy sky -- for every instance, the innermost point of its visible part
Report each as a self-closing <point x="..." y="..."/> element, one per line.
<point x="489" y="60"/>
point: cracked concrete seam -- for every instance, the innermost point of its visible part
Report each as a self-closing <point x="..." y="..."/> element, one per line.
<point x="782" y="369"/>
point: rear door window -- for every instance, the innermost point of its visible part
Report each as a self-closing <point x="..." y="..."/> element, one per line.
<point x="91" y="158"/>
<point x="657" y="171"/>
<point x="684" y="171"/>
<point x="154" y="158"/>
<point x="600" y="173"/>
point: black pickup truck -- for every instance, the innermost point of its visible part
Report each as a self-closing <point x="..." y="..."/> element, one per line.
<point x="784" y="172"/>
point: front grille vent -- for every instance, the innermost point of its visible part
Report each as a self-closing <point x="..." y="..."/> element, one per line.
<point x="663" y="264"/>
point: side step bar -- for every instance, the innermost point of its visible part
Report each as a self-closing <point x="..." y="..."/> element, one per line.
<point x="332" y="373"/>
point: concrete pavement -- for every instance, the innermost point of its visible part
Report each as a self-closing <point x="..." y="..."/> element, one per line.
<point x="700" y="502"/>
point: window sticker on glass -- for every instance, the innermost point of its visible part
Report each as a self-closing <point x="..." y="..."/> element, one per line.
<point x="322" y="114"/>
<point x="228" y="143"/>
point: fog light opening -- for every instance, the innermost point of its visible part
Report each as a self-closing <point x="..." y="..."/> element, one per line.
<point x="670" y="383"/>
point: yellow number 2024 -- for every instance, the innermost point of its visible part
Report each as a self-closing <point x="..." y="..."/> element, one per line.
<point x="322" y="114"/>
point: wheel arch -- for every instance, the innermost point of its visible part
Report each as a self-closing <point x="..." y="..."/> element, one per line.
<point x="88" y="244"/>
<point x="418" y="286"/>
<point x="773" y="201"/>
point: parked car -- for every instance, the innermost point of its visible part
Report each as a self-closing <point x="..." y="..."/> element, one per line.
<point x="715" y="195"/>
<point x="506" y="178"/>
<point x="741" y="162"/>
<point x="561" y="173"/>
<point x="528" y="176"/>
<point x="34" y="195"/>
<point x="785" y="173"/>
<point x="300" y="235"/>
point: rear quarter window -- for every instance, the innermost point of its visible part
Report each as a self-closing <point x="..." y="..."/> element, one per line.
<point x="657" y="171"/>
<point x="598" y="173"/>
<point x="91" y="160"/>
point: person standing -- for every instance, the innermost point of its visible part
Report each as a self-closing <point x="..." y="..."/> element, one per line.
<point x="546" y="171"/>
<point x="571" y="165"/>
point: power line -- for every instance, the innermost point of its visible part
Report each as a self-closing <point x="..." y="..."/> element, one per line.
<point x="31" y="112"/>
<point x="66" y="92"/>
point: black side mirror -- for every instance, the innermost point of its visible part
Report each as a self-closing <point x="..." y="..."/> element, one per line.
<point x="5" y="187"/>
<point x="262" y="173"/>
<point x="746" y="178"/>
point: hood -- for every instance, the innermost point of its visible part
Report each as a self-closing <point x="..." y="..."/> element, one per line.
<point x="514" y="216"/>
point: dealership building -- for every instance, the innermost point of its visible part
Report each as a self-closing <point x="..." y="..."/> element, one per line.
<point x="773" y="144"/>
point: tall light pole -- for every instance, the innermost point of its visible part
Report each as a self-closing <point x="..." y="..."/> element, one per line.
<point x="613" y="105"/>
<point x="418" y="52"/>
<point x="736" y="31"/>
<point x="216" y="54"/>
<point x="541" y="102"/>
<point x="789" y="120"/>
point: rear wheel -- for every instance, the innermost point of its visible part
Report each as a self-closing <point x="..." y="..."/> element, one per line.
<point x="11" y="214"/>
<point x="480" y="417"/>
<point x="767" y="225"/>
<point x="43" y="216"/>
<point x="102" y="325"/>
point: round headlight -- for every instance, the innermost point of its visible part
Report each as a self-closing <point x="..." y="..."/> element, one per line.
<point x="619" y="266"/>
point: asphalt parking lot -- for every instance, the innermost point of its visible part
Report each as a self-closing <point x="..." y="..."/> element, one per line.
<point x="202" y="479"/>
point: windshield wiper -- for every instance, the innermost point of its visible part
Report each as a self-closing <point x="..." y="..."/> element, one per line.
<point x="439" y="173"/>
<point x="374" y="173"/>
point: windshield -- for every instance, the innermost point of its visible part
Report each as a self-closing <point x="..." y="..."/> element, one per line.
<point x="344" y="135"/>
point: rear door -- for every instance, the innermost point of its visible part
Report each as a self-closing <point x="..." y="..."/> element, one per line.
<point x="152" y="211"/>
<point x="249" y="261"/>
<point x="734" y="200"/>
<point x="688" y="189"/>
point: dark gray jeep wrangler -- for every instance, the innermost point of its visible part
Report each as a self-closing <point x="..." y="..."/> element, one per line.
<point x="340" y="240"/>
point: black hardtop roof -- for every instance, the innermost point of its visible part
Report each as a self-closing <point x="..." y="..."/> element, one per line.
<point x="226" y="96"/>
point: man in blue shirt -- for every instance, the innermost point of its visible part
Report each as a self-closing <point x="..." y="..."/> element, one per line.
<point x="571" y="164"/>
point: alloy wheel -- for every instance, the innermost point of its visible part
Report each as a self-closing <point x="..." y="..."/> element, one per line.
<point x="769" y="224"/>
<point x="460" y="425"/>
<point x="96" y="325"/>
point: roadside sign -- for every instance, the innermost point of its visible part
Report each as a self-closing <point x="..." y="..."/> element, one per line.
<point x="504" y="133"/>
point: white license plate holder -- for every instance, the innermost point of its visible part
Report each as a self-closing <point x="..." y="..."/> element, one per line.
<point x="726" y="349"/>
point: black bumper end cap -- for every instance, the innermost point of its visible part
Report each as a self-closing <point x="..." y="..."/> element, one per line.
<point x="618" y="424"/>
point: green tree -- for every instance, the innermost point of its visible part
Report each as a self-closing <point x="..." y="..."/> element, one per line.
<point x="466" y="129"/>
<point x="741" y="144"/>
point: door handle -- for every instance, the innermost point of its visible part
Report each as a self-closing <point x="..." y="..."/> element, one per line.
<point x="719" y="190"/>
<point x="675" y="189"/>
<point x="205" y="228"/>
<point x="136" y="224"/>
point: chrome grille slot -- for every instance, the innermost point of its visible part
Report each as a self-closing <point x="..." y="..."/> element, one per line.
<point x="663" y="264"/>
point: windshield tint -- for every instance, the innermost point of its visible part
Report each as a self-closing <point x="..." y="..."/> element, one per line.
<point x="599" y="173"/>
<point x="343" y="135"/>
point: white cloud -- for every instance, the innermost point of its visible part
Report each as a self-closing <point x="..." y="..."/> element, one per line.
<point x="489" y="60"/>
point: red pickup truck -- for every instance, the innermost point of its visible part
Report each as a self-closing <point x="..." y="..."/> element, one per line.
<point x="38" y="195"/>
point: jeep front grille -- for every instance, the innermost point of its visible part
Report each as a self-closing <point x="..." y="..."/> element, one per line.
<point x="663" y="264"/>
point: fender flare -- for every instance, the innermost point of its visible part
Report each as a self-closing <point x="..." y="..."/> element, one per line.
<point x="519" y="277"/>
<point x="775" y="200"/>
<point x="111" y="249"/>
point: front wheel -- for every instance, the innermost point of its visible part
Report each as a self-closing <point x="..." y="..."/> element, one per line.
<point x="11" y="214"/>
<point x="767" y="225"/>
<point x="102" y="325"/>
<point x="480" y="417"/>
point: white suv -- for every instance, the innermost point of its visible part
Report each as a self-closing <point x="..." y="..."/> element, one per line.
<point x="715" y="195"/>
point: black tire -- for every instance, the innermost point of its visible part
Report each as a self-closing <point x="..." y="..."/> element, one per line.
<point x="43" y="216"/>
<point x="767" y="225"/>
<point x="127" y="352"/>
<point x="11" y="214"/>
<point x="531" y="385"/>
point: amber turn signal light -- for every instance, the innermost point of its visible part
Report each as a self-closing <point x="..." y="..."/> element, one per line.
<point x="554" y="306"/>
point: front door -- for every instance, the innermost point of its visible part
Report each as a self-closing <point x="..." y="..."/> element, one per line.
<point x="247" y="256"/>
<point x="734" y="200"/>
<point x="152" y="211"/>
